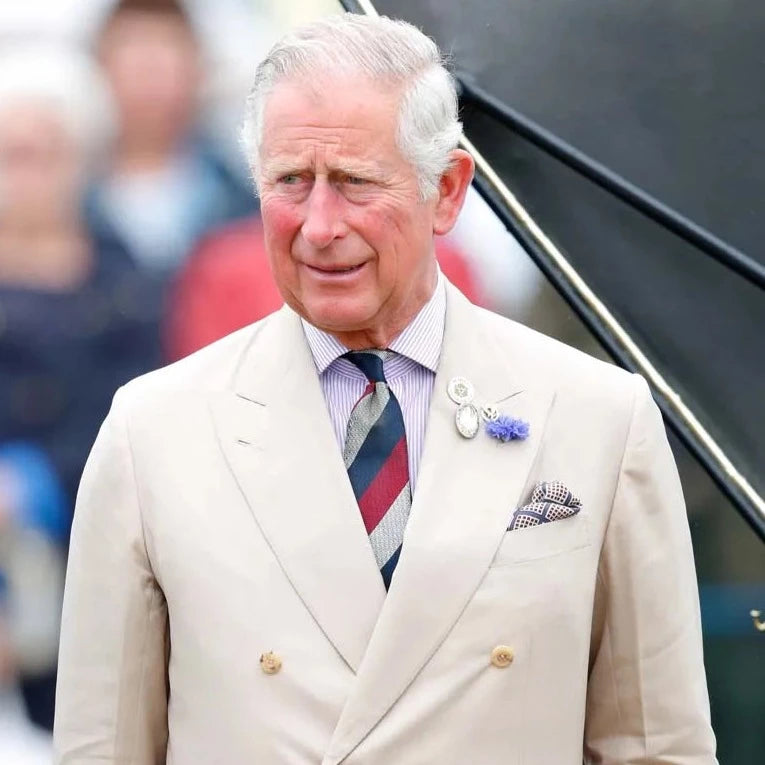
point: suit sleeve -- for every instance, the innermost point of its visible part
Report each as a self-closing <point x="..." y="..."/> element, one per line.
<point x="111" y="702"/>
<point x="647" y="698"/>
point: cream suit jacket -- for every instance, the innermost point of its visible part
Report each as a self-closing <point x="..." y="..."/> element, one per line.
<point x="215" y="522"/>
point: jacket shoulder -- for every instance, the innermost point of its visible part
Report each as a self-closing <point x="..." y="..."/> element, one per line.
<point x="574" y="373"/>
<point x="208" y="370"/>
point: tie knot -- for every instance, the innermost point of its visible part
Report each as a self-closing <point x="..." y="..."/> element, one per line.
<point x="370" y="363"/>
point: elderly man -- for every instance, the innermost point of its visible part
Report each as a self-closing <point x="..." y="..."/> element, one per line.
<point x="381" y="525"/>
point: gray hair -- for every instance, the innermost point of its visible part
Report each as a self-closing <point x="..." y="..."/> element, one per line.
<point x="381" y="48"/>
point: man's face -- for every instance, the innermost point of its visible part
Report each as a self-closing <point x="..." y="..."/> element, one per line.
<point x="349" y="239"/>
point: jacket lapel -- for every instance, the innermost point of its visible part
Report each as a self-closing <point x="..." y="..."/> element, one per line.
<point x="465" y="496"/>
<point x="277" y="437"/>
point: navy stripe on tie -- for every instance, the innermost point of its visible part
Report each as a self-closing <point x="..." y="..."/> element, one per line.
<point x="388" y="569"/>
<point x="376" y="449"/>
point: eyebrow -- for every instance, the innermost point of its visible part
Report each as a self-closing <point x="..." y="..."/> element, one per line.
<point x="277" y="168"/>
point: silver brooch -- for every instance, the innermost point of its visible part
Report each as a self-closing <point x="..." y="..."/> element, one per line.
<point x="460" y="390"/>
<point x="467" y="419"/>
<point x="489" y="413"/>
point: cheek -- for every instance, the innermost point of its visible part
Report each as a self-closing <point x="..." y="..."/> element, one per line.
<point x="381" y="227"/>
<point x="395" y="235"/>
<point x="280" y="224"/>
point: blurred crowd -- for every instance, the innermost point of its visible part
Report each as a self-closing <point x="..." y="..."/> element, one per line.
<point x="129" y="237"/>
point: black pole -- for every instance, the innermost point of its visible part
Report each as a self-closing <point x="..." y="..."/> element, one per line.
<point x="635" y="197"/>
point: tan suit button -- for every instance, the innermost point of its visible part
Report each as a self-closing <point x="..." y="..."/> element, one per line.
<point x="502" y="656"/>
<point x="270" y="663"/>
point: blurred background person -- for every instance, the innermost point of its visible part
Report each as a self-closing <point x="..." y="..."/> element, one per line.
<point x="166" y="183"/>
<point x="77" y="318"/>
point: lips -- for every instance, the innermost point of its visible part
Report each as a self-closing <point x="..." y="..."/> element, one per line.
<point x="335" y="270"/>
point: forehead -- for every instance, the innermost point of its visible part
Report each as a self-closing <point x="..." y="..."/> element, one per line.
<point x="338" y="117"/>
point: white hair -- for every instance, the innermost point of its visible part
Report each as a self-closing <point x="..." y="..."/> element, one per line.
<point x="68" y="82"/>
<point x="387" y="50"/>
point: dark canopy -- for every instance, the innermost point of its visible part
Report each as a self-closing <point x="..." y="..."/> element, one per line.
<point x="669" y="95"/>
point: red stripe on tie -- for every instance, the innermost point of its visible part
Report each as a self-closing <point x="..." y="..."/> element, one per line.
<point x="369" y="389"/>
<point x="385" y="486"/>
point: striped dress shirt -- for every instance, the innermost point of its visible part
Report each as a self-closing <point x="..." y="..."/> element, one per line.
<point x="410" y="374"/>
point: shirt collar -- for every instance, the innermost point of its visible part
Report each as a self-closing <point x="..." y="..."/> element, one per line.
<point x="420" y="341"/>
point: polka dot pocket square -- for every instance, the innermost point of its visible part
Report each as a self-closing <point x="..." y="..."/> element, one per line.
<point x="550" y="501"/>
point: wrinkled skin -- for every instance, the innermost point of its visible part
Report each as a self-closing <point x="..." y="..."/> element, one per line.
<point x="348" y="236"/>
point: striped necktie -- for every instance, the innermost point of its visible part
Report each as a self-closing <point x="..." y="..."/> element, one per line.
<point x="376" y="458"/>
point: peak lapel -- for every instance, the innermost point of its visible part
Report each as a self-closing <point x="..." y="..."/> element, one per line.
<point x="465" y="495"/>
<point x="278" y="440"/>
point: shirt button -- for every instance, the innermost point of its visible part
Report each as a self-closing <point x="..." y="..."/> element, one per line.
<point x="270" y="663"/>
<point x="502" y="656"/>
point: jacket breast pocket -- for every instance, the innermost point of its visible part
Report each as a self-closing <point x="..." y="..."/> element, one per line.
<point x="543" y="541"/>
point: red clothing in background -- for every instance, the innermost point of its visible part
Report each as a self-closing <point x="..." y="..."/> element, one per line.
<point x="227" y="284"/>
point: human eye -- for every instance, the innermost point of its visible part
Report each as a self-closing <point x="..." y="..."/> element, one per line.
<point x="349" y="178"/>
<point x="289" y="179"/>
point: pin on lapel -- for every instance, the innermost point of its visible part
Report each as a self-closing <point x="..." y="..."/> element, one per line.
<point x="468" y="419"/>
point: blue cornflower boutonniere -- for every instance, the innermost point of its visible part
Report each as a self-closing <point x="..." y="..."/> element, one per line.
<point x="505" y="428"/>
<point x="468" y="418"/>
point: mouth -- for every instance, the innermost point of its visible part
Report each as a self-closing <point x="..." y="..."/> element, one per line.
<point x="335" y="271"/>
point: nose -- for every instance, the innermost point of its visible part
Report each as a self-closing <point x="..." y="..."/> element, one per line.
<point x="323" y="221"/>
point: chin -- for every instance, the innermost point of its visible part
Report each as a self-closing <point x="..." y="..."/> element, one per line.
<point x="339" y="315"/>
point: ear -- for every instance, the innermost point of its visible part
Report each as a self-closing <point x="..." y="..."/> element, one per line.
<point x="451" y="191"/>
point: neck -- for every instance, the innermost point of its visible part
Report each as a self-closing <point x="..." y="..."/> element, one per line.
<point x="383" y="336"/>
<point x="364" y="340"/>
